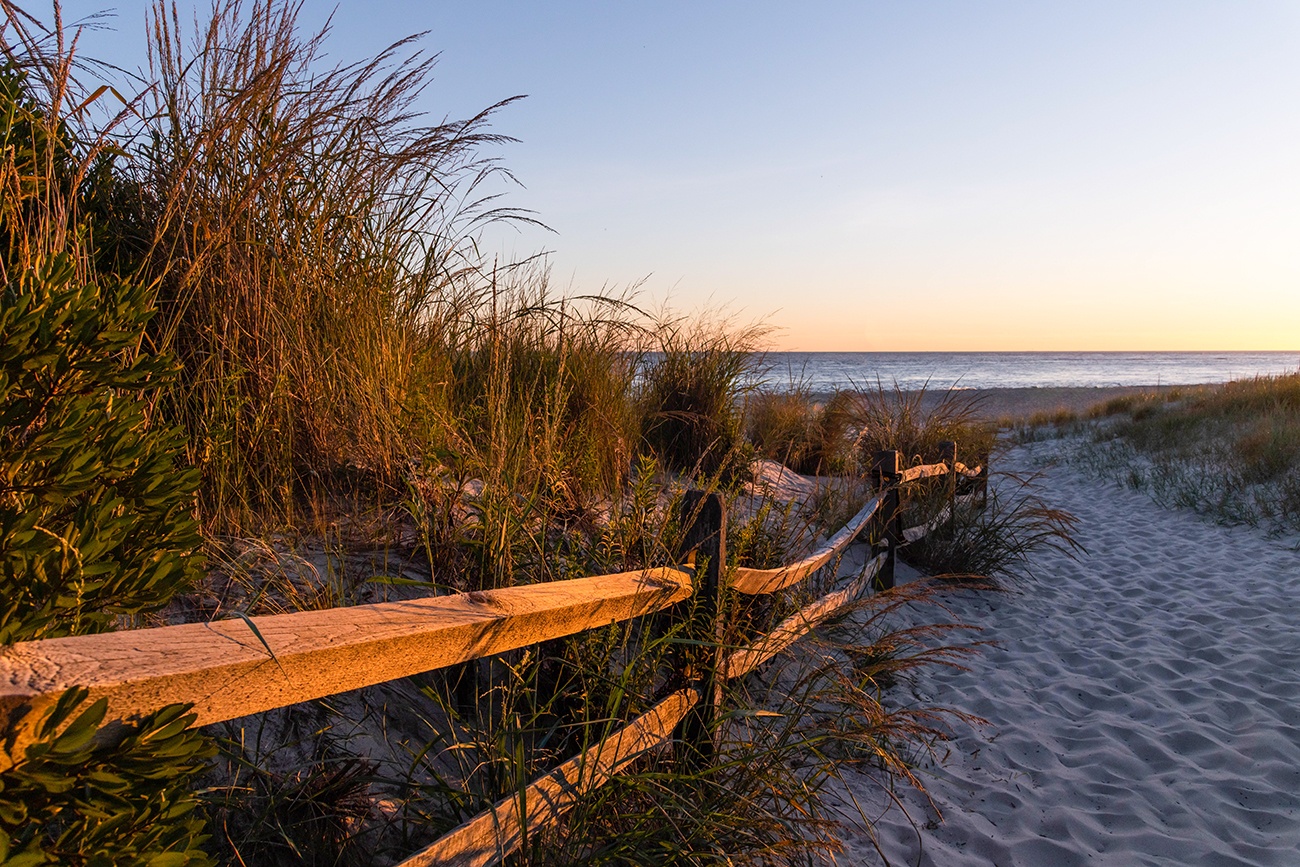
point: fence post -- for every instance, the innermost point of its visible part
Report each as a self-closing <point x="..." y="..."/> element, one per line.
<point x="980" y="484"/>
<point x="948" y="455"/>
<point x="705" y="520"/>
<point x="884" y="477"/>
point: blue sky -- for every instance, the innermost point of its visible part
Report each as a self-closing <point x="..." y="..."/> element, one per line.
<point x="919" y="175"/>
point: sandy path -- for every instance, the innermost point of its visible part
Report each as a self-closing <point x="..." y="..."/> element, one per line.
<point x="1144" y="702"/>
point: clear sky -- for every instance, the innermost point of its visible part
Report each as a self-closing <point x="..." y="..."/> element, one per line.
<point x="889" y="175"/>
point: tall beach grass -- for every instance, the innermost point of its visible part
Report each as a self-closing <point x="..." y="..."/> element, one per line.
<point x="374" y="408"/>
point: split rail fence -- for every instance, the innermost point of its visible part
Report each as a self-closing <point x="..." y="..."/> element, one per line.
<point x="224" y="669"/>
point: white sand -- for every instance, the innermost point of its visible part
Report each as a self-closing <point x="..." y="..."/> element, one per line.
<point x="1143" y="702"/>
<point x="778" y="482"/>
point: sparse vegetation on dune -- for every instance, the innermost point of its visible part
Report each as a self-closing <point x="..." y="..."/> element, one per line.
<point x="300" y="364"/>
<point x="1230" y="451"/>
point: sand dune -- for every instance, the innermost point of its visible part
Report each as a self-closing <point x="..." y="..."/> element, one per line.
<point x="992" y="404"/>
<point x="1143" y="702"/>
<point x="998" y="403"/>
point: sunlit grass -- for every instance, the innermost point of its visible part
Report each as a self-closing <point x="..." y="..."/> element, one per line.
<point x="361" y="386"/>
<point x="1231" y="451"/>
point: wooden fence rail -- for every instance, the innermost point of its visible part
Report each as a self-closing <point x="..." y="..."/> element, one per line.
<point x="229" y="669"/>
<point x="496" y="833"/>
<point x="765" y="581"/>
<point x="493" y="834"/>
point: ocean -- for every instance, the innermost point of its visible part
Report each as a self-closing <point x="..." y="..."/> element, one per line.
<point x="821" y="372"/>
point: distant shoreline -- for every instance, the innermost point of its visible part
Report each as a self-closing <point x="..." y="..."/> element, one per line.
<point x="991" y="404"/>
<point x="822" y="372"/>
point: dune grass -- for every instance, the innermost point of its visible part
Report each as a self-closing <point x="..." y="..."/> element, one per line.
<point x="890" y="418"/>
<point x="354" y="379"/>
<point x="807" y="436"/>
<point x="1231" y="452"/>
<point x="692" y="392"/>
<point x="313" y="244"/>
<point x="841" y="434"/>
<point x="993" y="541"/>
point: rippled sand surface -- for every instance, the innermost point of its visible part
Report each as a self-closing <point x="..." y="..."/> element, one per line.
<point x="1143" y="702"/>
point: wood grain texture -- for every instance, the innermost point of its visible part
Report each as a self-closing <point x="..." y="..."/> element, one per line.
<point x="224" y="669"/>
<point x="762" y="581"/>
<point x="788" y="631"/>
<point x="966" y="471"/>
<point x="492" y="835"/>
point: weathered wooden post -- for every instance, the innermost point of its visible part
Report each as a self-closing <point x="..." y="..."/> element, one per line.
<point x="705" y="521"/>
<point x="884" y="478"/>
<point x="948" y="455"/>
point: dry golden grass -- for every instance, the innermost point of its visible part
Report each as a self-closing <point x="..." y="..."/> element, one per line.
<point x="1229" y="451"/>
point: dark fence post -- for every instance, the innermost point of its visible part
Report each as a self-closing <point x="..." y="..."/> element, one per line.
<point x="884" y="477"/>
<point x="462" y="686"/>
<point x="705" y="523"/>
<point x="982" y="482"/>
<point x="948" y="455"/>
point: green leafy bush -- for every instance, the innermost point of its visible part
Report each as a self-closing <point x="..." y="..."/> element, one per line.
<point x="95" y="514"/>
<point x="86" y="796"/>
<point x="95" y="523"/>
<point x="95" y="506"/>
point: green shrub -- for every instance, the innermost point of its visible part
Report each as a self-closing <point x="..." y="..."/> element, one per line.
<point x="99" y="797"/>
<point x="95" y="515"/>
<point x="95" y="523"/>
<point x="95" y="510"/>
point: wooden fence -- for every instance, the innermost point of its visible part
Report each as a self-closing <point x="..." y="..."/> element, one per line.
<point x="225" y="670"/>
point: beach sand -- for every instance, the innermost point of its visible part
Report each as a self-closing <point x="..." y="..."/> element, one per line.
<point x="996" y="403"/>
<point x="1143" y="702"/>
<point x="993" y="404"/>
